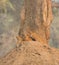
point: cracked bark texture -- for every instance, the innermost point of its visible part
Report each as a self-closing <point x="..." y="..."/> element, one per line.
<point x="36" y="17"/>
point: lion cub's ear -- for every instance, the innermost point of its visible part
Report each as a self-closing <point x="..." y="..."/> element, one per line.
<point x="18" y="38"/>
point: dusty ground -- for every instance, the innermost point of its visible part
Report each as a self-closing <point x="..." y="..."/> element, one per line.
<point x="31" y="53"/>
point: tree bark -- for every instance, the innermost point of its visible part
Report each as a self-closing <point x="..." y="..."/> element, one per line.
<point x="36" y="17"/>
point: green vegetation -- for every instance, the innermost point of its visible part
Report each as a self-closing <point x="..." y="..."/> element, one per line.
<point x="4" y="4"/>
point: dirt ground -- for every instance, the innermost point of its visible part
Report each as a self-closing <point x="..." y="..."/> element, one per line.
<point x="31" y="53"/>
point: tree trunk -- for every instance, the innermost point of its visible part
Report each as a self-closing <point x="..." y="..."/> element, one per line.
<point x="36" y="16"/>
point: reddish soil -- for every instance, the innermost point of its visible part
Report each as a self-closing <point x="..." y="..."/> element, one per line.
<point x="31" y="53"/>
